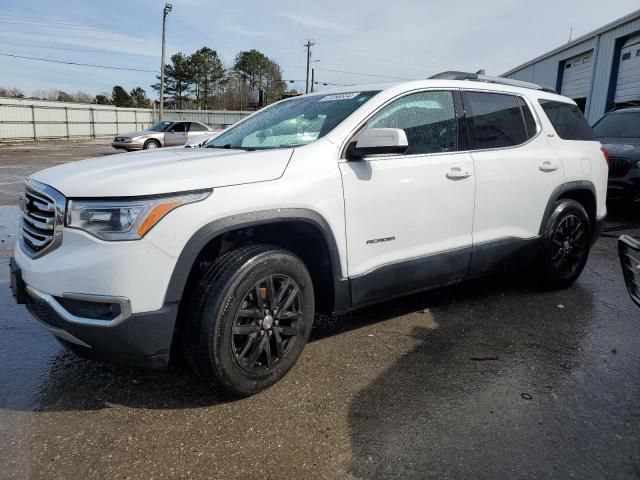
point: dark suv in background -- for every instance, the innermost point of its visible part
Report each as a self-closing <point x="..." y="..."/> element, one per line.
<point x="619" y="132"/>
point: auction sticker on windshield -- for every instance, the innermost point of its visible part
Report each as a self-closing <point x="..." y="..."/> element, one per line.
<point x="339" y="96"/>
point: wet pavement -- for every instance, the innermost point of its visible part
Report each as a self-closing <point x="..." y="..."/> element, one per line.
<point x="486" y="379"/>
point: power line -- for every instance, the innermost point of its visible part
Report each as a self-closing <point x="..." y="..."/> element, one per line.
<point x="363" y="74"/>
<point x="206" y="37"/>
<point x="111" y="67"/>
<point x="35" y="20"/>
<point x="87" y="37"/>
<point x="79" y="50"/>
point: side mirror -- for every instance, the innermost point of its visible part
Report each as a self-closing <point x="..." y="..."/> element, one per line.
<point x="378" y="141"/>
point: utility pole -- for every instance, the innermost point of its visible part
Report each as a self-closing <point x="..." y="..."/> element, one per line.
<point x="167" y="8"/>
<point x="313" y="76"/>
<point x="309" y="44"/>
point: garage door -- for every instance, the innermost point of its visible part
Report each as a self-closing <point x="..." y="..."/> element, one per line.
<point x="576" y="78"/>
<point x="628" y="84"/>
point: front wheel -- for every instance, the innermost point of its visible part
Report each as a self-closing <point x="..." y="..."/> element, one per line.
<point x="151" y="144"/>
<point x="567" y="240"/>
<point x="251" y="318"/>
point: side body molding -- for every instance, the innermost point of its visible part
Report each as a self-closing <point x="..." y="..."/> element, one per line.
<point x="210" y="231"/>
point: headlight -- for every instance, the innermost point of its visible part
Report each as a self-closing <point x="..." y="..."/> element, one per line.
<point x="127" y="140"/>
<point x="127" y="218"/>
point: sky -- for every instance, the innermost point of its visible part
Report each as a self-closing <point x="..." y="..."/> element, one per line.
<point x="355" y="42"/>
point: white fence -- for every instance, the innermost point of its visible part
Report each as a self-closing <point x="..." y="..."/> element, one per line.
<point x="32" y="120"/>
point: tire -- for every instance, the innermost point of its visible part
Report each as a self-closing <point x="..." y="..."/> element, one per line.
<point x="151" y="144"/>
<point x="250" y="318"/>
<point x="566" y="245"/>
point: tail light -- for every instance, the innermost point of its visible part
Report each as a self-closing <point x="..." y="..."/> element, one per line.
<point x="605" y="152"/>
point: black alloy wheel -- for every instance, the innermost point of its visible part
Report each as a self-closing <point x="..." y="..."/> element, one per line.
<point x="249" y="318"/>
<point x="267" y="324"/>
<point x="566" y="244"/>
<point x="569" y="245"/>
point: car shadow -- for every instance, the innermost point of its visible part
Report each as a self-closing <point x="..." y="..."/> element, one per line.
<point x="73" y="383"/>
<point x="468" y="400"/>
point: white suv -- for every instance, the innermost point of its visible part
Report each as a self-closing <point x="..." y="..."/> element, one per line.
<point x="320" y="203"/>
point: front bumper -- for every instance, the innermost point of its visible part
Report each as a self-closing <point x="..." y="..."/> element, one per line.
<point x="141" y="339"/>
<point x="625" y="189"/>
<point x="127" y="145"/>
<point x="133" y="276"/>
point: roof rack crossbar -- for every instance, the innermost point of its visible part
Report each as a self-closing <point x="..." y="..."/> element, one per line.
<point x="453" y="75"/>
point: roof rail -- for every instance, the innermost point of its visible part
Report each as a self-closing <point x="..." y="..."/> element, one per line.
<point x="453" y="75"/>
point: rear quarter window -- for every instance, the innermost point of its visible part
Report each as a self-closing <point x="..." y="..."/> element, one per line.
<point x="567" y="120"/>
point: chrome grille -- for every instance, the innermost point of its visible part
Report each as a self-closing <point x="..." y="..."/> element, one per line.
<point x="41" y="222"/>
<point x="619" y="167"/>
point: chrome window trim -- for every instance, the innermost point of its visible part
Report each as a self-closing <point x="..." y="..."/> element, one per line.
<point x="349" y="138"/>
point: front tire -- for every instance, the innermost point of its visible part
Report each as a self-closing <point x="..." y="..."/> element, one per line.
<point x="151" y="144"/>
<point x="567" y="241"/>
<point x="251" y="318"/>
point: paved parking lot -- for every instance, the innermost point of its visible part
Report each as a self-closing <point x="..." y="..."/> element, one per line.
<point x="487" y="379"/>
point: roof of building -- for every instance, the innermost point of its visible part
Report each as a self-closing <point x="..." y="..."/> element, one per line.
<point x="609" y="26"/>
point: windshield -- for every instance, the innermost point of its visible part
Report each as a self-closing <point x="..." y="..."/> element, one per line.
<point x="159" y="127"/>
<point x="292" y="123"/>
<point x="619" y="125"/>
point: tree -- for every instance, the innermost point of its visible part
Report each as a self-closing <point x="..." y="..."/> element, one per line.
<point x="251" y="66"/>
<point x="64" y="96"/>
<point x="102" y="99"/>
<point x="82" y="97"/>
<point x="50" y="94"/>
<point x="207" y="72"/>
<point x="178" y="80"/>
<point x="120" y="97"/>
<point x="11" y="92"/>
<point x="139" y="98"/>
<point x="260" y="72"/>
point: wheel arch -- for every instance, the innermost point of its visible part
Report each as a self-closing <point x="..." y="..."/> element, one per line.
<point x="305" y="232"/>
<point x="582" y="191"/>
<point x="150" y="140"/>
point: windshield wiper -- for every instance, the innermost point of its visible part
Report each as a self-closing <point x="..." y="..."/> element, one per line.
<point x="227" y="146"/>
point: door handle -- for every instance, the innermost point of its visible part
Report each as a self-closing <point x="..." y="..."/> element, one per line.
<point x="548" y="167"/>
<point x="456" y="173"/>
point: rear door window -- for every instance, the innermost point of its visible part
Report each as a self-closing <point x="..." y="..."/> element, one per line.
<point x="197" y="127"/>
<point x="495" y="120"/>
<point x="567" y="120"/>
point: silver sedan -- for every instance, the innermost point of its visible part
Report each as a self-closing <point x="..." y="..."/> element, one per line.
<point x="163" y="134"/>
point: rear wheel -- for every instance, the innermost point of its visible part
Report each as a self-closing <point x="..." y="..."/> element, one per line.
<point x="251" y="318"/>
<point x="150" y="144"/>
<point x="567" y="241"/>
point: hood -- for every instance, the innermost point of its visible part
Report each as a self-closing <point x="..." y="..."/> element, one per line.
<point x="622" y="147"/>
<point x="152" y="172"/>
<point x="133" y="134"/>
